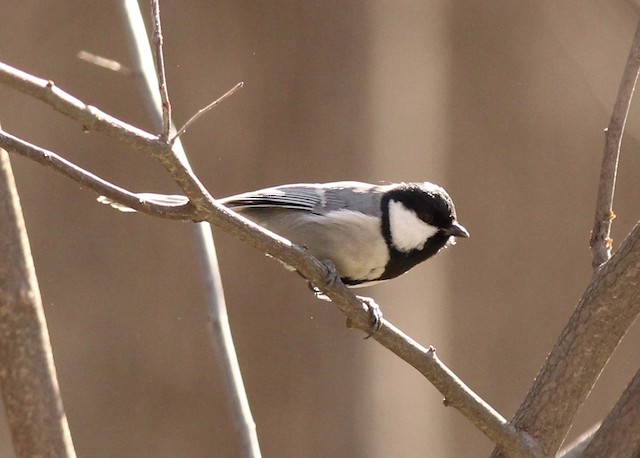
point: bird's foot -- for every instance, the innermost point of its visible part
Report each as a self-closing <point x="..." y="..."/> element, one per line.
<point x="330" y="279"/>
<point x="375" y="314"/>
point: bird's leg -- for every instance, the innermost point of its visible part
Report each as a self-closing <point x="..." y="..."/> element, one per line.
<point x="375" y="314"/>
<point x="332" y="276"/>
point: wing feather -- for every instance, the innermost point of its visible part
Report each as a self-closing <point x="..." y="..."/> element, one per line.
<point x="309" y="198"/>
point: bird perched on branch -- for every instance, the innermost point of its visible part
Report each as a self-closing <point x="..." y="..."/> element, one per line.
<point x="371" y="233"/>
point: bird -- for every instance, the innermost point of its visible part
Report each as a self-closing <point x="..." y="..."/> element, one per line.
<point x="370" y="232"/>
<point x="363" y="233"/>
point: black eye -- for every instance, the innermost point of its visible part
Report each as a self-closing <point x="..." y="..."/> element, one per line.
<point x="427" y="218"/>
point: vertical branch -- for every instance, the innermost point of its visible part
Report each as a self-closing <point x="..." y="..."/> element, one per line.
<point x="600" y="235"/>
<point x="27" y="373"/>
<point x="160" y="70"/>
<point x="221" y="339"/>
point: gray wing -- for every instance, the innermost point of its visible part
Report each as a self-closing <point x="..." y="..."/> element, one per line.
<point x="314" y="198"/>
<point x="318" y="199"/>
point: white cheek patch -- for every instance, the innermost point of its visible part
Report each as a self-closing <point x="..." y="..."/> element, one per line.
<point x="408" y="232"/>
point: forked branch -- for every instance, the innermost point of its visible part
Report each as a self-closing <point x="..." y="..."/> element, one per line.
<point x="454" y="390"/>
<point x="601" y="242"/>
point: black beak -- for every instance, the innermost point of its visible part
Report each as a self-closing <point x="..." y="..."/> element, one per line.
<point x="456" y="230"/>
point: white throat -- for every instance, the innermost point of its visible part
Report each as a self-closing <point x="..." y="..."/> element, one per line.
<point x="408" y="232"/>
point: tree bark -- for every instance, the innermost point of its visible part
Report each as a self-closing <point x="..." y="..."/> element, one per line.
<point x="27" y="374"/>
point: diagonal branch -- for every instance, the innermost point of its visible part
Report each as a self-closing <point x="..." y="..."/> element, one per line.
<point x="619" y="434"/>
<point x="28" y="380"/>
<point x="577" y="447"/>
<point x="605" y="312"/>
<point x="87" y="179"/>
<point x="204" y="111"/>
<point x="89" y="116"/>
<point x="601" y="232"/>
<point x="455" y="391"/>
<point x="92" y="118"/>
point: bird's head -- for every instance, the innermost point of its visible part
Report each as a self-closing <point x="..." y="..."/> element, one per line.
<point x="419" y="216"/>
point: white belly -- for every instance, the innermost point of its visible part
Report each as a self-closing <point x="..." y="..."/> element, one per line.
<point x="351" y="240"/>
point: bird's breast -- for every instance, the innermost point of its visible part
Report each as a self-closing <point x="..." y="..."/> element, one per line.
<point x="351" y="240"/>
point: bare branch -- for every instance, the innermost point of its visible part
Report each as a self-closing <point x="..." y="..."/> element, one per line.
<point x="28" y="379"/>
<point x="160" y="70"/>
<point x="220" y="329"/>
<point x="575" y="449"/>
<point x="205" y="110"/>
<point x="619" y="434"/>
<point x="600" y="234"/>
<point x="87" y="179"/>
<point x="457" y="394"/>
<point x="605" y="312"/>
<point x="90" y="117"/>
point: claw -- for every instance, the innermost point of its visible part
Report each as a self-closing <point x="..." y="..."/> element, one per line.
<point x="331" y="278"/>
<point x="375" y="314"/>
<point x="332" y="272"/>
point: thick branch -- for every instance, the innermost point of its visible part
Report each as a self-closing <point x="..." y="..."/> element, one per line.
<point x="600" y="234"/>
<point x="619" y="434"/>
<point x="575" y="449"/>
<point x="27" y="374"/>
<point x="456" y="393"/>
<point x="606" y="311"/>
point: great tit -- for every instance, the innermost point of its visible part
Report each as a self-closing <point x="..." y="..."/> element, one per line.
<point x="371" y="233"/>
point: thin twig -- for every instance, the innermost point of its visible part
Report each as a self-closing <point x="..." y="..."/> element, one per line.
<point x="456" y="393"/>
<point x="205" y="110"/>
<point x="86" y="179"/>
<point x="601" y="233"/>
<point x="103" y="62"/>
<point x="220" y="329"/>
<point x="160" y="70"/>
<point x="89" y="116"/>
<point x="292" y="255"/>
<point x="93" y="119"/>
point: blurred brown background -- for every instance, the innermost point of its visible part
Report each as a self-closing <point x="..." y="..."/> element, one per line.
<point x="501" y="102"/>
